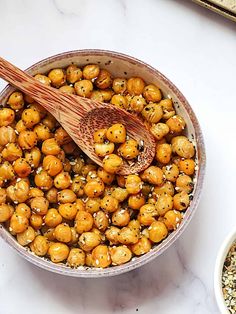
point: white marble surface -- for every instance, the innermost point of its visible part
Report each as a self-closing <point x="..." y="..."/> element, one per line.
<point x="196" y="49"/>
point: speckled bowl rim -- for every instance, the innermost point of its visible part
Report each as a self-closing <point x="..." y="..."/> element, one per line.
<point x="158" y="250"/>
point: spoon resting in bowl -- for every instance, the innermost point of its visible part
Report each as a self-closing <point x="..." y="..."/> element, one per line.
<point x="81" y="117"/>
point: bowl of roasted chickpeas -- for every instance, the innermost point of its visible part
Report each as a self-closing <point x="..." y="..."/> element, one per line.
<point x="64" y="213"/>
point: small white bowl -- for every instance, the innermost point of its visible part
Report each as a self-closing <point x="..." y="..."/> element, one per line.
<point x="224" y="249"/>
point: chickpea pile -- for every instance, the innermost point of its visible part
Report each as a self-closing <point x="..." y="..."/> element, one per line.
<point x="61" y="205"/>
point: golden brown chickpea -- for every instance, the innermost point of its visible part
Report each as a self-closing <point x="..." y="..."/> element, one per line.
<point x="5" y="212"/>
<point x="135" y="86"/>
<point x="112" y="234"/>
<point x="62" y="180"/>
<point x="101" y="256"/>
<point x="50" y="147"/>
<point x="107" y="94"/>
<point x="23" y="210"/>
<point x="104" y="149"/>
<point x="147" y="214"/>
<point x="58" y="252"/>
<point x="52" y="165"/>
<point x="33" y="157"/>
<point x="133" y="184"/>
<point x="89" y="240"/>
<point x="181" y="201"/>
<point x="101" y="220"/>
<point x="62" y="233"/>
<point x="16" y="101"/>
<point x="99" y="136"/>
<point x="94" y="188"/>
<point x="43" y="180"/>
<point x="22" y="168"/>
<point x="91" y="71"/>
<point x="92" y="205"/>
<point x="168" y="108"/>
<point x="76" y="258"/>
<point x="119" y="101"/>
<point x="87" y="168"/>
<point x="104" y="79"/>
<point x="79" y="204"/>
<point x="26" y="237"/>
<point x="42" y="131"/>
<point x="129" y="149"/>
<point x="176" y="124"/>
<point x="77" y="185"/>
<point x="152" y="93"/>
<point x="136" y="201"/>
<point x="137" y="103"/>
<point x="135" y="226"/>
<point x="128" y="236"/>
<point x="53" y="218"/>
<point x="57" y="77"/>
<point x="106" y="177"/>
<point x="89" y="260"/>
<point x="69" y="148"/>
<point x="109" y="204"/>
<point x="7" y="135"/>
<point x="184" y="183"/>
<point x="153" y="175"/>
<point x="66" y="196"/>
<point x="67" y="89"/>
<point x="39" y="205"/>
<point x="183" y="147"/>
<point x="36" y="221"/>
<point x="73" y="74"/>
<point x="27" y="139"/>
<point x="120" y="255"/>
<point x="119" y="85"/>
<point x="187" y="166"/>
<point x="30" y="117"/>
<point x="11" y="152"/>
<point x="120" y="194"/>
<point x="172" y="219"/>
<point x="163" y="153"/>
<point x="84" y="88"/>
<point x="171" y="172"/>
<point x="68" y="211"/>
<point x="34" y="192"/>
<point x="42" y="111"/>
<point x="40" y="246"/>
<point x="43" y="79"/>
<point x="7" y="116"/>
<point x="77" y="165"/>
<point x="74" y="236"/>
<point x="48" y="233"/>
<point x="19" y="192"/>
<point x="6" y="171"/>
<point x="116" y="133"/>
<point x="157" y="231"/>
<point x="164" y="203"/>
<point x="3" y="196"/>
<point x="97" y="96"/>
<point x="66" y="165"/>
<point x="141" y="247"/>
<point x="120" y="181"/>
<point x="62" y="137"/>
<point x="18" y="223"/>
<point x="152" y="113"/>
<point x="159" y="130"/>
<point x="166" y="188"/>
<point x="20" y="126"/>
<point x="83" y="221"/>
<point x="121" y="217"/>
<point x="49" y="121"/>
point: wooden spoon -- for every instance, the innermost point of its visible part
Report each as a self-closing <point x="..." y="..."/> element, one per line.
<point x="81" y="117"/>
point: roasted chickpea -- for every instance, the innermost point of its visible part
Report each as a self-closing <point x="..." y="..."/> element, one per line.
<point x="163" y="153"/>
<point x="129" y="149"/>
<point x="176" y="124"/>
<point x="36" y="221"/>
<point x="137" y="103"/>
<point x="33" y="157"/>
<point x="116" y="133"/>
<point x="27" y="139"/>
<point x="120" y="255"/>
<point x="52" y="165"/>
<point x="112" y="234"/>
<point x="133" y="184"/>
<point x="26" y="237"/>
<point x="99" y="136"/>
<point x="77" y="185"/>
<point x="181" y="201"/>
<point x="43" y="180"/>
<point x="97" y="96"/>
<point x="76" y="258"/>
<point x="184" y="183"/>
<point x="128" y="236"/>
<point x="83" y="88"/>
<point x="104" y="79"/>
<point x="172" y="219"/>
<point x="19" y="192"/>
<point x="3" y="196"/>
<point x="7" y="116"/>
<point x="34" y="192"/>
<point x="19" y="127"/>
<point x="141" y="247"/>
<point x="73" y="73"/>
<point x="135" y="225"/>
<point x="62" y="137"/>
<point x="119" y="85"/>
<point x="39" y="205"/>
<point x="49" y="121"/>
<point x="7" y="135"/>
<point x="153" y="175"/>
<point x="30" y="117"/>
<point x="43" y="132"/>
<point x="164" y="203"/>
<point x="23" y="210"/>
<point x="48" y="233"/>
<point x="40" y="245"/>
<point x="109" y="204"/>
<point x="157" y="231"/>
<point x="135" y="86"/>
<point x="5" y="212"/>
<point x="104" y="149"/>
<point x="22" y="168"/>
<point x="187" y="166"/>
<point x="106" y="177"/>
<point x="67" y="89"/>
<point x="77" y="165"/>
<point x="87" y="168"/>
<point x="66" y="196"/>
<point x="119" y="101"/>
<point x="168" y="108"/>
<point x="152" y="93"/>
<point x="171" y="172"/>
<point x="147" y="214"/>
<point x="183" y="147"/>
<point x="68" y="210"/>
<point x="121" y="217"/>
<point x="41" y="110"/>
<point x="101" y="256"/>
<point x="62" y="180"/>
<point x="83" y="221"/>
<point x="57" y="77"/>
<point x="69" y="148"/>
<point x="94" y="188"/>
<point x="16" y="101"/>
<point x="120" y="181"/>
<point x="52" y="218"/>
<point x="6" y="171"/>
<point x="79" y="204"/>
<point x="159" y="130"/>
<point x="58" y="252"/>
<point x="107" y="94"/>
<point x="43" y="79"/>
<point x="166" y="188"/>
<point x="136" y="201"/>
<point x="152" y="113"/>
<point x="50" y="147"/>
<point x="101" y="220"/>
<point x="112" y="163"/>
<point x="91" y="71"/>
<point x="11" y="152"/>
<point x="92" y="205"/>
<point x="120" y="194"/>
<point x="18" y="223"/>
<point x="89" y="240"/>
<point x="62" y="233"/>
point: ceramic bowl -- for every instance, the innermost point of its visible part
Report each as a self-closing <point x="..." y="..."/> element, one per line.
<point x="120" y="65"/>
<point x="223" y="251"/>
